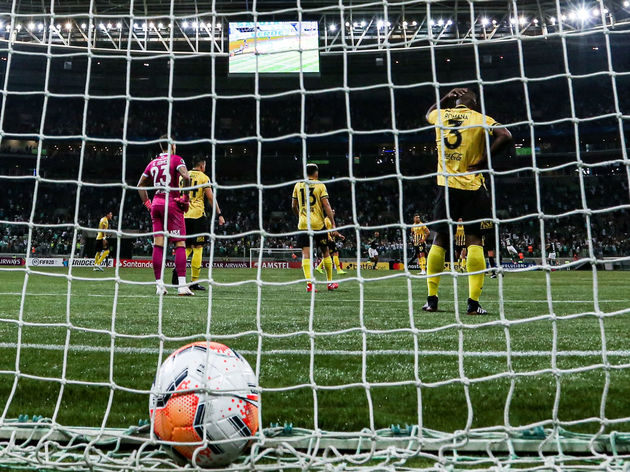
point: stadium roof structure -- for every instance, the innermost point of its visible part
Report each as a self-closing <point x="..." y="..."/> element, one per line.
<point x="361" y="26"/>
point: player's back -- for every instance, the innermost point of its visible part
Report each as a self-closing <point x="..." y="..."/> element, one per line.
<point x="103" y="224"/>
<point x="464" y="144"/>
<point x="316" y="191"/>
<point x="164" y="170"/>
<point x="197" y="196"/>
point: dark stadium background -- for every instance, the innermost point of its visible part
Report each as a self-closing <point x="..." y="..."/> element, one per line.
<point x="369" y="149"/>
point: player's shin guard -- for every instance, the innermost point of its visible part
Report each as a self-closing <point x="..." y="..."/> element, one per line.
<point x="337" y="263"/>
<point x="475" y="262"/>
<point x="306" y="267"/>
<point x="195" y="264"/>
<point x="435" y="265"/>
<point x="158" y="253"/>
<point x="328" y="265"/>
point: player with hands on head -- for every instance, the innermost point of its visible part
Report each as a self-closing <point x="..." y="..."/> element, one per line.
<point x="461" y="142"/>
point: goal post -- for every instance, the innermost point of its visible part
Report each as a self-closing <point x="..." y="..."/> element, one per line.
<point x="357" y="379"/>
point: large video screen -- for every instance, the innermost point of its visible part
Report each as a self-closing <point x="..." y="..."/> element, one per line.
<point x="272" y="47"/>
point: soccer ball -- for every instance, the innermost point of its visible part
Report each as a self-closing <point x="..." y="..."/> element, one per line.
<point x="221" y="403"/>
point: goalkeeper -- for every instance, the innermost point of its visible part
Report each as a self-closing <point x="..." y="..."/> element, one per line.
<point x="461" y="148"/>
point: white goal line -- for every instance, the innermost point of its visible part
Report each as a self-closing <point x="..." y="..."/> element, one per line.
<point x="370" y="300"/>
<point x="377" y="352"/>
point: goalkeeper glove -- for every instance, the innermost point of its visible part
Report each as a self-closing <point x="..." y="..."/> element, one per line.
<point x="183" y="202"/>
<point x="147" y="204"/>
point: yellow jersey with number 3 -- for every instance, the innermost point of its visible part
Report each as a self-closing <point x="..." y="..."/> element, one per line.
<point x="197" y="196"/>
<point x="316" y="191"/>
<point x="462" y="147"/>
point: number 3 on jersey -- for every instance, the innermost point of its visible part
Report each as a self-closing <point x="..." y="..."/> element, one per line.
<point x="455" y="133"/>
<point x="311" y="197"/>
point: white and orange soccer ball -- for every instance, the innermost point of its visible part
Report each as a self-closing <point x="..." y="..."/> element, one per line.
<point x="221" y="409"/>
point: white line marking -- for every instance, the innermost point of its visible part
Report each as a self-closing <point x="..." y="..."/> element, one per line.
<point x="284" y="352"/>
<point x="328" y="299"/>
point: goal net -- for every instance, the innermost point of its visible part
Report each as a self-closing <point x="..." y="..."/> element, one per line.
<point x="354" y="378"/>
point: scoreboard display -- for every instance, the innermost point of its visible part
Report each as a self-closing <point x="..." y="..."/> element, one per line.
<point x="274" y="47"/>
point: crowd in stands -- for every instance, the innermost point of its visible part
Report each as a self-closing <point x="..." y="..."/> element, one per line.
<point x="566" y="223"/>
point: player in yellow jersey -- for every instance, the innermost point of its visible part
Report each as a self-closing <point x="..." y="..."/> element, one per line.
<point x="196" y="219"/>
<point x="319" y="207"/>
<point x="333" y="237"/>
<point x="419" y="235"/>
<point x="102" y="246"/>
<point x="460" y="246"/>
<point x="461" y="133"/>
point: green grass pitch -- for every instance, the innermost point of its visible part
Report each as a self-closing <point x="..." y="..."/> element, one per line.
<point x="281" y="62"/>
<point x="339" y="327"/>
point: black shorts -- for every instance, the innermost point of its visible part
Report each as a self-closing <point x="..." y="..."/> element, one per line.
<point x="488" y="238"/>
<point x="320" y="240"/>
<point x="196" y="226"/>
<point x="420" y="248"/>
<point x="100" y="245"/>
<point x="465" y="204"/>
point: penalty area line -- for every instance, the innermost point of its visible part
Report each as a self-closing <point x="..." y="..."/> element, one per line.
<point x="322" y="352"/>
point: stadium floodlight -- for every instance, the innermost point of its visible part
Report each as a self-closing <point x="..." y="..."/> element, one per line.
<point x="449" y="22"/>
<point x="626" y="4"/>
<point x="414" y="23"/>
<point x="332" y="27"/>
<point x="347" y="23"/>
<point x="363" y="23"/>
<point x="151" y="25"/>
<point x="102" y="26"/>
<point x="160" y="25"/>
<point x="582" y="14"/>
<point x="552" y="20"/>
<point x="485" y="21"/>
<point x="440" y="22"/>
<point x="595" y="12"/>
<point x="31" y="26"/>
<point x="387" y="23"/>
<point x="535" y="21"/>
<point x="109" y="26"/>
<point x="195" y="25"/>
<point x="355" y="24"/>
<point x="404" y="24"/>
<point x="184" y="24"/>
<point x="431" y="23"/>
<point x="68" y="26"/>
<point x="83" y="26"/>
<point x="58" y="27"/>
<point x="380" y="24"/>
<point x="522" y="21"/>
<point x="40" y="27"/>
<point x="119" y="25"/>
<point x="512" y="21"/>
<point x="572" y="15"/>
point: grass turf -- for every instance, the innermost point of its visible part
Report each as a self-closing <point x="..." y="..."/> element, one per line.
<point x="338" y="329"/>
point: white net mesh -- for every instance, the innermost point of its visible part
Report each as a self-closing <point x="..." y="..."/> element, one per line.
<point x="541" y="382"/>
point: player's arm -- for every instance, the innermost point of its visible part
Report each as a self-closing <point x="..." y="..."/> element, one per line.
<point x="502" y="139"/>
<point x="328" y="210"/>
<point x="144" y="195"/>
<point x="210" y="198"/>
<point x="447" y="101"/>
<point x="184" y="179"/>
